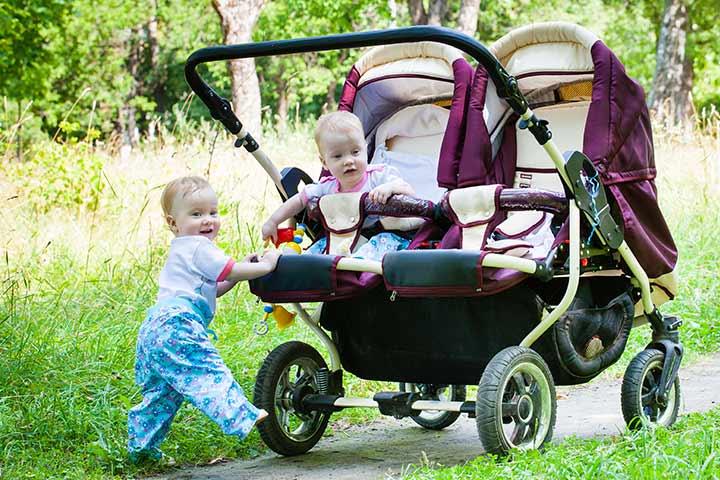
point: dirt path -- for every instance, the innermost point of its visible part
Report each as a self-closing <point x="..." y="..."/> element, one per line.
<point x="385" y="447"/>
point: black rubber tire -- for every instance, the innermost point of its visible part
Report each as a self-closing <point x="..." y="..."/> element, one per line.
<point x="495" y="385"/>
<point x="640" y="376"/>
<point x="266" y="388"/>
<point x="458" y="393"/>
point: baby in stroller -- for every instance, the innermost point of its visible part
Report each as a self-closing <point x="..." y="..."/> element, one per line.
<point x="343" y="152"/>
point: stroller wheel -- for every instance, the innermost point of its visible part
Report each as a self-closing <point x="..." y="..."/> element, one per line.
<point x="516" y="404"/>
<point x="287" y="369"/>
<point x="436" y="419"/>
<point x="640" y="407"/>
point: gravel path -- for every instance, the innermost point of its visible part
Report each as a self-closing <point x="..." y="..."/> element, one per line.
<point x="385" y="447"/>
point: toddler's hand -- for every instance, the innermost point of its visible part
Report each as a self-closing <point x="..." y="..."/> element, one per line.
<point x="271" y="258"/>
<point x="381" y="193"/>
<point x="269" y="231"/>
<point x="252" y="258"/>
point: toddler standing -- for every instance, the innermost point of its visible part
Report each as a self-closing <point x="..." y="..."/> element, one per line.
<point x="175" y="359"/>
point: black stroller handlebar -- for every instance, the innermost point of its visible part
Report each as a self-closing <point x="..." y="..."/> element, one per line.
<point x="220" y="108"/>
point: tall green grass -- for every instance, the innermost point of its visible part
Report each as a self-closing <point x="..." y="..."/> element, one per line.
<point x="75" y="283"/>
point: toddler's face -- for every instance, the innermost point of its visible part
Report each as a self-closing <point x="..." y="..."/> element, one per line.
<point x="344" y="153"/>
<point x="195" y="214"/>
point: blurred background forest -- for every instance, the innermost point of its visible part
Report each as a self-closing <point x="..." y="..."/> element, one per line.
<point x="111" y="71"/>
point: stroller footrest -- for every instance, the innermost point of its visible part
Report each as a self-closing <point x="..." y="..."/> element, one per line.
<point x="310" y="278"/>
<point x="447" y="273"/>
<point x="397" y="404"/>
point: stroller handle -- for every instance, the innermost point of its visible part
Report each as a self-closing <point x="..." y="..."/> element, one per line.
<point x="220" y="108"/>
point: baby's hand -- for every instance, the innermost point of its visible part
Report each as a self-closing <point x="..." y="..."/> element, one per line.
<point x="269" y="231"/>
<point x="270" y="258"/>
<point x="381" y="193"/>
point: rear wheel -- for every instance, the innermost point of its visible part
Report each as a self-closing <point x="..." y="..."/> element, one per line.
<point x="516" y="404"/>
<point x="287" y="372"/>
<point x="640" y="406"/>
<point x="436" y="419"/>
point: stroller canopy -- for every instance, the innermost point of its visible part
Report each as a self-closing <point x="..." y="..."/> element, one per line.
<point x="564" y="68"/>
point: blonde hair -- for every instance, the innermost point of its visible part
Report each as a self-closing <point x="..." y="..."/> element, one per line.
<point x="341" y="121"/>
<point x="182" y="185"/>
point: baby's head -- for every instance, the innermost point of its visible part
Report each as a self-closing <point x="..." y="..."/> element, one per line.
<point x="191" y="207"/>
<point x="341" y="142"/>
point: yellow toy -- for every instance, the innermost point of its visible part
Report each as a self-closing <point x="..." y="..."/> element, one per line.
<point x="282" y="317"/>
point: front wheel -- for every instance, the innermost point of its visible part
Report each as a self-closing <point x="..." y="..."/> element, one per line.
<point x="286" y="370"/>
<point x="516" y="403"/>
<point x="640" y="406"/>
<point x="436" y="419"/>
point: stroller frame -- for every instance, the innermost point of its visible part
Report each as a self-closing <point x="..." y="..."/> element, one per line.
<point x="308" y="400"/>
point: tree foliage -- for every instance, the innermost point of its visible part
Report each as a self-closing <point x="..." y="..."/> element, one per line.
<point x="89" y="62"/>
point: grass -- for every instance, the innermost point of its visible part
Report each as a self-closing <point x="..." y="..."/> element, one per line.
<point x="687" y="450"/>
<point x="75" y="285"/>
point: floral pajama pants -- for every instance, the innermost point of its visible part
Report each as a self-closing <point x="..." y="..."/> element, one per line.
<point x="175" y="362"/>
<point x="374" y="249"/>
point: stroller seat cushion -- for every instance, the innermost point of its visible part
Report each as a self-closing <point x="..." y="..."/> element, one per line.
<point x="519" y="224"/>
<point x="534" y="168"/>
<point x="341" y="212"/>
<point x="473" y="205"/>
<point x="342" y="216"/>
<point x="472" y="209"/>
<point x="410" y="140"/>
<point x="509" y="246"/>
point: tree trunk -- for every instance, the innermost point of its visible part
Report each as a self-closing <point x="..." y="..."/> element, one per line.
<point x="158" y="90"/>
<point x="434" y="15"/>
<point x="438" y="10"/>
<point x="238" y="19"/>
<point x="468" y="17"/>
<point x="282" y="106"/>
<point x="392" y="6"/>
<point x="417" y="12"/>
<point x="128" y="121"/>
<point x="670" y="97"/>
<point x="330" y="101"/>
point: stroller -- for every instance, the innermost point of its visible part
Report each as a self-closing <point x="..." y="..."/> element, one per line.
<point x="527" y="267"/>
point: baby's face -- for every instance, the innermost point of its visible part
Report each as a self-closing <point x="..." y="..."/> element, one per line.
<point x="344" y="153"/>
<point x="195" y="214"/>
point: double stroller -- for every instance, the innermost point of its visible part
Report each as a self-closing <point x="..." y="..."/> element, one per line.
<point x="536" y="243"/>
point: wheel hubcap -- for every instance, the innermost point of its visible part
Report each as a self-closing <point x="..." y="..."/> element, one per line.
<point x="655" y="410"/>
<point x="526" y="407"/>
<point x="297" y="426"/>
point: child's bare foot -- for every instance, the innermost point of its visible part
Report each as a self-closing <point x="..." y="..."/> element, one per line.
<point x="262" y="415"/>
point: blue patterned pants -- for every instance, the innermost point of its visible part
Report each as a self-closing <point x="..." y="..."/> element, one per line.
<point x="374" y="249"/>
<point x="176" y="362"/>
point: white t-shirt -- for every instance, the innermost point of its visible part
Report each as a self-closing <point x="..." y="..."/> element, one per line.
<point x="193" y="268"/>
<point x="375" y="175"/>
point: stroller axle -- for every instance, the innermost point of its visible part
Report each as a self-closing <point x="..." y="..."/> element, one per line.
<point x="390" y="403"/>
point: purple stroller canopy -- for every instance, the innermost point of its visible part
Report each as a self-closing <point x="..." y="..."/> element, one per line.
<point x="617" y="138"/>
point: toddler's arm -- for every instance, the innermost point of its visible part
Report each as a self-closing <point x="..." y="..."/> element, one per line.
<point x="381" y="193"/>
<point x="248" y="270"/>
<point x="227" y="285"/>
<point x="290" y="208"/>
